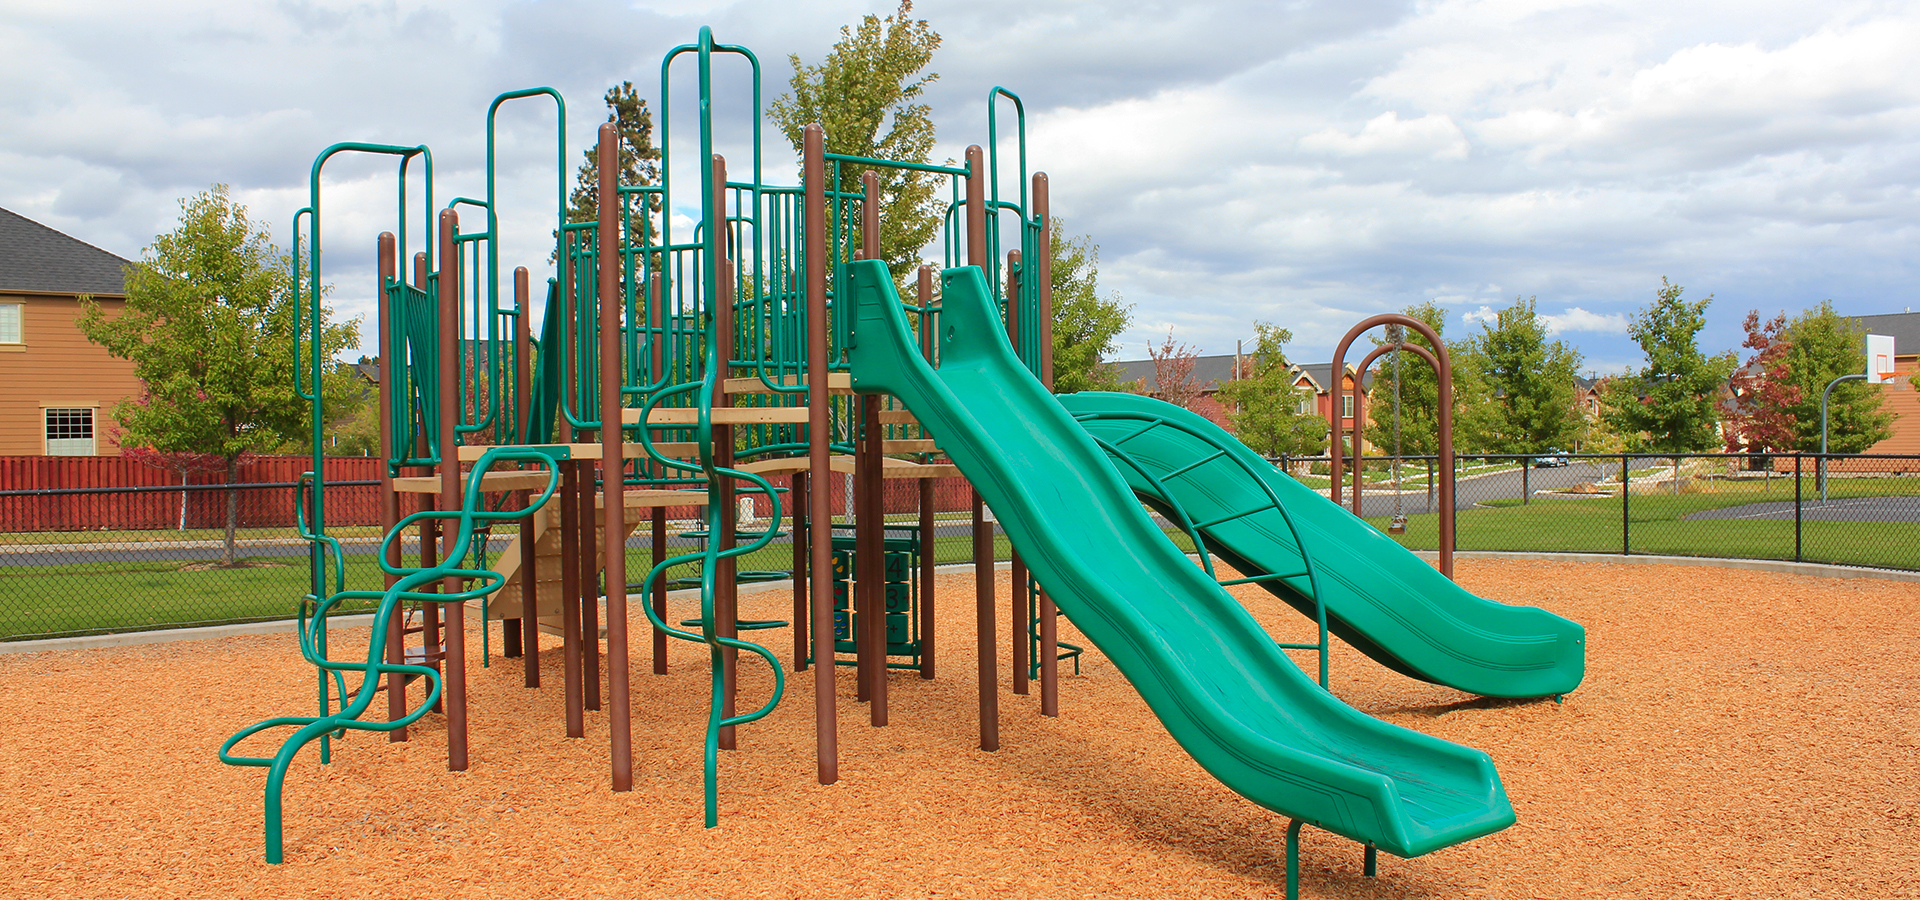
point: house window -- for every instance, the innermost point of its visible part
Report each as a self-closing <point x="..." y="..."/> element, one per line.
<point x="10" y="315"/>
<point x="69" y="432"/>
<point x="1305" y="406"/>
<point x="1346" y="406"/>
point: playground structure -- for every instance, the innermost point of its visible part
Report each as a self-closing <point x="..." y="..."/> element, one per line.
<point x="684" y="371"/>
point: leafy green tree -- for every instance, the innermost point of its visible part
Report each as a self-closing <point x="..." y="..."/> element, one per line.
<point x="210" y="327"/>
<point x="865" y="94"/>
<point x="1672" y="403"/>
<point x="1420" y="391"/>
<point x="1085" y="323"/>
<point x="1823" y="345"/>
<point x="1264" y="407"/>
<point x="1531" y="380"/>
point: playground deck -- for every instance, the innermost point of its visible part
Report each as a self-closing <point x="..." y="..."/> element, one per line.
<point x="1738" y="734"/>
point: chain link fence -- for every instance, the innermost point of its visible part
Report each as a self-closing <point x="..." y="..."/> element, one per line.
<point x="79" y="561"/>
<point x="1862" y="510"/>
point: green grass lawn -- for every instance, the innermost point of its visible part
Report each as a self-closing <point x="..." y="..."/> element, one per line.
<point x="1657" y="525"/>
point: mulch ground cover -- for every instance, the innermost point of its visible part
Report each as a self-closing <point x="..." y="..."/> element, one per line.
<point x="1739" y="734"/>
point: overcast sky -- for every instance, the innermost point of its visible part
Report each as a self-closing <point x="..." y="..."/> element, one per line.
<point x="1302" y="163"/>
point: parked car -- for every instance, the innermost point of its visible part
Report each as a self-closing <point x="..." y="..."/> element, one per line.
<point x="1554" y="459"/>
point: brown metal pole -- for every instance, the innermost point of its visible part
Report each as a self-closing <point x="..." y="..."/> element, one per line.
<point x="1020" y="620"/>
<point x="455" y="679"/>
<point x="929" y="543"/>
<point x="431" y="649"/>
<point x="660" y="589"/>
<point x="871" y="527"/>
<point x="726" y="597"/>
<point x="797" y="532"/>
<point x="982" y="538"/>
<point x="657" y="337"/>
<point x="589" y="591"/>
<point x="820" y="493"/>
<point x="529" y="557"/>
<point x="1444" y="367"/>
<point x="613" y="465"/>
<point x="1049" y="615"/>
<point x="570" y="595"/>
<point x="389" y="498"/>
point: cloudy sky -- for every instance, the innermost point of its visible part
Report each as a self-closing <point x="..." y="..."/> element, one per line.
<point x="1304" y="163"/>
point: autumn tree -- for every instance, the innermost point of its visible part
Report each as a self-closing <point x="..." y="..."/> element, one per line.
<point x="1531" y="380"/>
<point x="1671" y="404"/>
<point x="1173" y="379"/>
<point x="866" y="95"/>
<point x="210" y="326"/>
<point x="1265" y="409"/>
<point x="1085" y="323"/>
<point x="1764" y="394"/>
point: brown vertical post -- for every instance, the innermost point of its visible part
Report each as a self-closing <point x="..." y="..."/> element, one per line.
<point x="871" y="527"/>
<point x="529" y="558"/>
<point x="570" y="595"/>
<point x="589" y="591"/>
<point x="660" y="589"/>
<point x="389" y="498"/>
<point x="797" y="531"/>
<point x="929" y="543"/>
<point x="657" y="337"/>
<point x="431" y="647"/>
<point x="612" y="465"/>
<point x="1049" y="616"/>
<point x="1020" y="621"/>
<point x="726" y="596"/>
<point x="820" y="494"/>
<point x="982" y="537"/>
<point x="455" y="679"/>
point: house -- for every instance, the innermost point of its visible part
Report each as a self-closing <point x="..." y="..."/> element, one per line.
<point x="1210" y="371"/>
<point x="1900" y="397"/>
<point x="60" y="387"/>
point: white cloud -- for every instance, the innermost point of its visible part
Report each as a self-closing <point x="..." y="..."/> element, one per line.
<point x="1577" y="319"/>
<point x="1433" y="136"/>
<point x="1479" y="316"/>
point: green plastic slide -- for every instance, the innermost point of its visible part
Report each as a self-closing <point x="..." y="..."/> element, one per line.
<point x="1382" y="599"/>
<point x="1215" y="678"/>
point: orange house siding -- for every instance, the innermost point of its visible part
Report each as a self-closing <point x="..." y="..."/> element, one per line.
<point x="56" y="366"/>
<point x="1903" y="401"/>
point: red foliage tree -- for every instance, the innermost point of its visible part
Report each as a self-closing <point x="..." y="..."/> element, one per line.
<point x="1173" y="379"/>
<point x="1763" y="393"/>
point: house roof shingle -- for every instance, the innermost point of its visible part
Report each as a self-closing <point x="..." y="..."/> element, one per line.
<point x="1210" y="371"/>
<point x="1904" y="327"/>
<point x="34" y="257"/>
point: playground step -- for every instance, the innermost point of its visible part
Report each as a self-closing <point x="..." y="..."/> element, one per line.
<point x="681" y="417"/>
<point x="837" y="383"/>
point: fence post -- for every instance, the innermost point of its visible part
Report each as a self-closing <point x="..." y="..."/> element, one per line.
<point x="1626" y="491"/>
<point x="1526" y="481"/>
<point x="1797" y="458"/>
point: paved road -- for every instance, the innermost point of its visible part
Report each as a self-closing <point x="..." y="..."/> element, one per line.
<point x="1852" y="509"/>
<point x="1511" y="484"/>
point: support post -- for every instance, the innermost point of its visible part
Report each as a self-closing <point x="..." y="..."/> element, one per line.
<point x="929" y="541"/>
<point x="389" y="498"/>
<point x="820" y="496"/>
<point x="797" y="531"/>
<point x="529" y="559"/>
<point x="870" y="528"/>
<point x="978" y="255"/>
<point x="455" y="679"/>
<point x="1049" y="615"/>
<point x="657" y="337"/>
<point x="613" y="464"/>
<point x="726" y="603"/>
<point x="570" y="596"/>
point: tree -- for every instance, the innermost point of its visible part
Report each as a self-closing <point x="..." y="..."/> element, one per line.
<point x="1420" y="391"/>
<point x="864" y="95"/>
<point x="1173" y="379"/>
<point x="1085" y="324"/>
<point x="1823" y="345"/>
<point x="1264" y="405"/>
<point x="210" y="327"/>
<point x="1531" y="381"/>
<point x="1761" y="415"/>
<point x="628" y="112"/>
<point x="1671" y="404"/>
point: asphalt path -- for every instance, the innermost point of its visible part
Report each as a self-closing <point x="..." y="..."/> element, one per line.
<point x="1511" y="484"/>
<point x="1851" y="509"/>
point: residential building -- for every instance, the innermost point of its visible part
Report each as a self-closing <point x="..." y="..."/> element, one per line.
<point x="60" y="388"/>
<point x="1901" y="397"/>
<point x="1210" y="371"/>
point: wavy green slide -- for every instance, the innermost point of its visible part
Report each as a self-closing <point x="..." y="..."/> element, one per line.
<point x="1382" y="599"/>
<point x="1214" y="677"/>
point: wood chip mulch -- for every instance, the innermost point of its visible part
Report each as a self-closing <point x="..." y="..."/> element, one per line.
<point x="1739" y="734"/>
